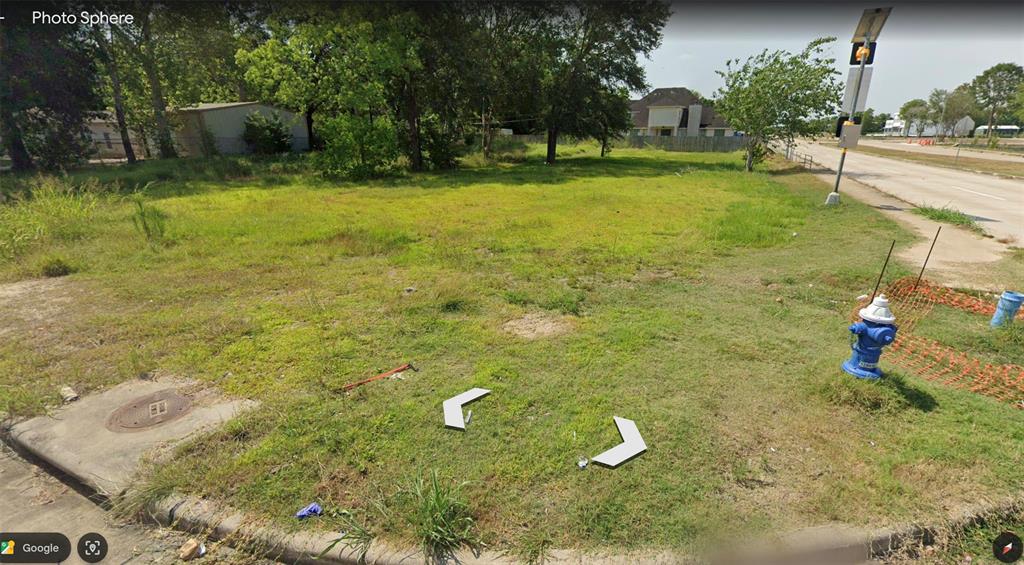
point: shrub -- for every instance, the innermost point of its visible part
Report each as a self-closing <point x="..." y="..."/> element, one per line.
<point x="440" y="147"/>
<point x="266" y="135"/>
<point x="55" y="267"/>
<point x="358" y="147"/>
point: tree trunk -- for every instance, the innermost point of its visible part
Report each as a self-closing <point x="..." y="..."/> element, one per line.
<point x="13" y="142"/>
<point x="485" y="133"/>
<point x="412" y="117"/>
<point x="991" y="122"/>
<point x="115" y="87"/>
<point x="749" y="163"/>
<point x="552" y="145"/>
<point x="314" y="142"/>
<point x="156" y="94"/>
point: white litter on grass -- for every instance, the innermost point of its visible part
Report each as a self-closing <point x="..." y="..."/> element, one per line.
<point x="582" y="463"/>
<point x="469" y="417"/>
<point x="68" y="394"/>
<point x="862" y="297"/>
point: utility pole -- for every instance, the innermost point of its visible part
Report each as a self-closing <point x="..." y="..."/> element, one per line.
<point x="868" y="28"/>
<point x="862" y="54"/>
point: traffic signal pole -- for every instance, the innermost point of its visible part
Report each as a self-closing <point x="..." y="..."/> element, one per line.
<point x="862" y="53"/>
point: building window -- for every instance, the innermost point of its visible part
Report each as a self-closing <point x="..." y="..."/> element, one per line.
<point x="665" y="132"/>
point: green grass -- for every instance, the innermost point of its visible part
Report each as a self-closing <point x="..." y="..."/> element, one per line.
<point x="711" y="308"/>
<point x="949" y="216"/>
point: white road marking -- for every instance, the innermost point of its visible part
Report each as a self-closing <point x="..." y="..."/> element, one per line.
<point x="631" y="446"/>
<point x="453" y="407"/>
<point x="976" y="192"/>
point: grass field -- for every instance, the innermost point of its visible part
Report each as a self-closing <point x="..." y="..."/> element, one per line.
<point x="707" y="304"/>
<point x="1005" y="168"/>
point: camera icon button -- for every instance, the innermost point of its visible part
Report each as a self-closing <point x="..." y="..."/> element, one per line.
<point x="92" y="547"/>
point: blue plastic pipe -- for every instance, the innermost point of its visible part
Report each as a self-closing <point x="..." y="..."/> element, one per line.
<point x="1007" y="308"/>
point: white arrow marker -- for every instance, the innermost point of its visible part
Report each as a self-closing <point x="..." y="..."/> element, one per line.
<point x="631" y="446"/>
<point x="453" y="407"/>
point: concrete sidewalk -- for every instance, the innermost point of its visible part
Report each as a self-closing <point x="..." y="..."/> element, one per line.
<point x="958" y="253"/>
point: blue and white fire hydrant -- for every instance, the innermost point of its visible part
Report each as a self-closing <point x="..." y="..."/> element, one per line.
<point x="876" y="329"/>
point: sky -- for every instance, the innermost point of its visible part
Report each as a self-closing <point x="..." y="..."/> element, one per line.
<point x="924" y="45"/>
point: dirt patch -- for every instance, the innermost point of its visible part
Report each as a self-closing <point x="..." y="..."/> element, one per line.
<point x="537" y="325"/>
<point x="27" y="305"/>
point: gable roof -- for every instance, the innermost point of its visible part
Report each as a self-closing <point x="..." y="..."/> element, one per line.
<point x="676" y="96"/>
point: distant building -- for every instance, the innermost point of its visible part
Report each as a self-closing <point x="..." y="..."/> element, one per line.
<point x="1001" y="131"/>
<point x="963" y="127"/>
<point x="220" y="126"/>
<point x="676" y="112"/>
<point x="894" y="126"/>
<point x="106" y="138"/>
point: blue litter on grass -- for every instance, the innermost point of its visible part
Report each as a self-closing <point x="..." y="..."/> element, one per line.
<point x="312" y="510"/>
<point x="1007" y="308"/>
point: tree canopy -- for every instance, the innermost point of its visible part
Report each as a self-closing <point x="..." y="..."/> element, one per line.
<point x="777" y="96"/>
<point x="422" y="80"/>
<point x="49" y="88"/>
<point x="915" y="114"/>
<point x="995" y="88"/>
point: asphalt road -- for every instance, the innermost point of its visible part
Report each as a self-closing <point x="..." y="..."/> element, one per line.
<point x="996" y="203"/>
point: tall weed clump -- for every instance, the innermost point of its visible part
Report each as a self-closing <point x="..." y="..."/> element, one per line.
<point x="149" y="221"/>
<point x="440" y="517"/>
<point x="51" y="209"/>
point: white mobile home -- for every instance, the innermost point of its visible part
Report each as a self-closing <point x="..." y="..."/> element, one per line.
<point x="222" y="125"/>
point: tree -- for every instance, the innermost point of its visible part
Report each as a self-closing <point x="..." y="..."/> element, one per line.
<point x="591" y="48"/>
<point x="778" y="96"/>
<point x="140" y="40"/>
<point x="321" y="62"/>
<point x="608" y="118"/>
<point x="959" y="103"/>
<point x="105" y="53"/>
<point x="914" y="113"/>
<point x="995" y="88"/>
<point x="870" y="122"/>
<point x="49" y="88"/>
<point x="1018" y="103"/>
<point x="936" y="110"/>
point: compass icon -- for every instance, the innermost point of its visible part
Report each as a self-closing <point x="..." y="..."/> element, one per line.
<point x="1007" y="547"/>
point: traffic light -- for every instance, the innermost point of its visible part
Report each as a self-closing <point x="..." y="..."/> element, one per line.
<point x="855" y="58"/>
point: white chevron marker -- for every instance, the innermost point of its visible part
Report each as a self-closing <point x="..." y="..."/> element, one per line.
<point x="631" y="446"/>
<point x="453" y="407"/>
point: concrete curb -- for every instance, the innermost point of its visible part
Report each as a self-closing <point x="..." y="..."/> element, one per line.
<point x="829" y="544"/>
<point x="220" y="523"/>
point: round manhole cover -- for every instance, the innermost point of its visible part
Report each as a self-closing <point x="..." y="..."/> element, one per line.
<point x="148" y="411"/>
